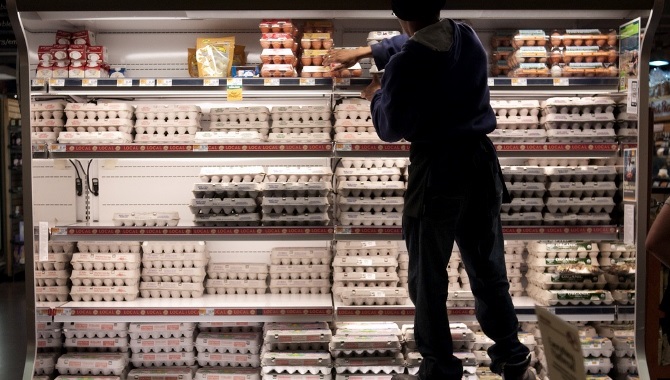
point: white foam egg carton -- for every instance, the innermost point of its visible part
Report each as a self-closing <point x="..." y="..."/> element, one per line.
<point x="234" y="174"/>
<point x="624" y="346"/>
<point x="149" y="219"/>
<point x="373" y="296"/>
<point x="605" y="135"/>
<point x="366" y="248"/>
<point x="526" y="189"/>
<point x="381" y="218"/>
<point x="234" y="271"/>
<point x="231" y="326"/>
<point x="523" y="174"/>
<point x="103" y="293"/>
<point x="168" y="373"/>
<point x="100" y="111"/>
<point x="365" y="279"/>
<point x="521" y="218"/>
<point x="214" y="286"/>
<point x="569" y="297"/>
<point x="162" y="359"/>
<point x="518" y="136"/>
<point x="357" y="137"/>
<point x="227" y="373"/>
<point x="516" y="107"/>
<point x="262" y="127"/>
<point x="301" y="137"/>
<point x="300" y="256"/>
<point x="578" y="189"/>
<point x="45" y="363"/>
<point x="77" y="363"/>
<point x="565" y="280"/>
<point x="347" y="346"/>
<point x="627" y="366"/>
<point x="298" y="286"/>
<point x="95" y="138"/>
<point x="463" y="298"/>
<point x="598" y="365"/>
<point x="617" y="250"/>
<point x="302" y="126"/>
<point x="370" y="365"/>
<point x="239" y="114"/>
<point x="51" y="277"/>
<point x="171" y="289"/>
<point x="228" y="137"/>
<point x="196" y="274"/>
<point x="368" y="189"/>
<point x="105" y="277"/>
<point x="147" y="330"/>
<point x="294" y="272"/>
<point x="231" y="360"/>
<point x="226" y="206"/>
<point x="167" y="111"/>
<point x="373" y="174"/>
<point x="48" y="343"/>
<point x="304" y="112"/>
<point x="298" y="205"/>
<point x="102" y="125"/>
<point x="523" y="122"/>
<point x="581" y="173"/>
<point x="244" y="343"/>
<point x="164" y="139"/>
<point x="105" y="261"/>
<point x="565" y="204"/>
<point x="563" y="249"/>
<point x="167" y="127"/>
<point x="296" y="189"/>
<point x="578" y="105"/>
<point x="298" y="174"/>
<point x="524" y="205"/>
<point x="369" y="264"/>
<point x="624" y="296"/>
<point x="597" y="347"/>
<point x="96" y="344"/>
<point x="162" y="344"/>
<point x="109" y="246"/>
<point x="51" y="293"/>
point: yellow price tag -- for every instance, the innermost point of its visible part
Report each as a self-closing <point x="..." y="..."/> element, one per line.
<point x="89" y="82"/>
<point x="124" y="82"/>
<point x="147" y="82"/>
<point x="164" y="82"/>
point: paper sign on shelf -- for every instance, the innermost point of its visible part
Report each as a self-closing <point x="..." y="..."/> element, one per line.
<point x="43" y="241"/>
<point x="629" y="224"/>
<point x="562" y="346"/>
<point x="633" y="95"/>
<point x="234" y="89"/>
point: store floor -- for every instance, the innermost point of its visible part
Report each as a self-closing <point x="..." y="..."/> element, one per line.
<point x="12" y="329"/>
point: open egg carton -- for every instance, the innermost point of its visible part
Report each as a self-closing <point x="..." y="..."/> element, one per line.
<point x="163" y="359"/>
<point x="146" y="219"/>
<point x="181" y="373"/>
<point x="578" y="105"/>
<point x="45" y="363"/>
<point x="96" y="364"/>
<point x="89" y="123"/>
<point x="228" y="373"/>
<point x="167" y="123"/>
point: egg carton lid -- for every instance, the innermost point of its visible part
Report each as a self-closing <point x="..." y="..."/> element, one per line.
<point x="377" y="244"/>
<point x="227" y="373"/>
<point x="168" y="373"/>
<point x="377" y="185"/>
<point x="353" y="123"/>
<point x="618" y="247"/>
<point x="367" y="171"/>
<point x="49" y="123"/>
<point x="110" y="137"/>
<point x="522" y="216"/>
<point x="248" y="217"/>
<point x="233" y="136"/>
<point x="300" y="124"/>
<point x="169" y="139"/>
<point x="187" y="286"/>
<point x="318" y="137"/>
<point x="297" y="358"/>
<point x="516" y="119"/>
<point x="123" y="274"/>
<point x="96" y="326"/>
<point x="177" y="343"/>
<point x="163" y="123"/>
<point x="297" y="186"/>
<point x="279" y="252"/>
<point x="98" y="107"/>
<point x="577" y="101"/>
<point x="365" y="276"/>
<point x="44" y="137"/>
<point x="365" y="107"/>
<point x="118" y="123"/>
<point x="558" y="246"/>
<point x="377" y="261"/>
<point x="571" y="133"/>
<point x="86" y="290"/>
<point x="299" y="201"/>
<point x="550" y="170"/>
<point x="587" y="117"/>
<point x="197" y="271"/>
<point x="627" y="132"/>
<point x="550" y="264"/>
<point x="302" y="108"/>
<point x="80" y="377"/>
<point x="55" y="105"/>
<point x="297" y="335"/>
<point x="98" y="360"/>
<point x="216" y="202"/>
<point x="531" y="185"/>
<point x="515" y="104"/>
<point x="373" y="292"/>
<point x="309" y="268"/>
<point x="97" y="342"/>
<point x="278" y="51"/>
<point x="340" y="342"/>
<point x="167" y="108"/>
<point x="162" y="356"/>
<point x="610" y="261"/>
<point x="527" y="202"/>
<point x="57" y="290"/>
<point x="228" y="186"/>
<point x="238" y="110"/>
<point x="59" y="274"/>
<point x="299" y="170"/>
<point x="309" y="217"/>
<point x="557" y="201"/>
<point x="217" y="126"/>
<point x="532" y="170"/>
<point x="229" y="283"/>
<point x="299" y="283"/>
<point x="99" y="243"/>
<point x="369" y="331"/>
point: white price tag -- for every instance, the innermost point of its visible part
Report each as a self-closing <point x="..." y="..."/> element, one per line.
<point x="164" y="82"/>
<point x="210" y="82"/>
<point x="38" y="82"/>
<point x="307" y="81"/>
<point x="365" y="262"/>
<point x="491" y="82"/>
<point x="368" y="244"/>
<point x="343" y="147"/>
<point x="147" y="82"/>
<point x="369" y="276"/>
<point x="519" y="82"/>
<point x="561" y="82"/>
<point x="89" y="82"/>
<point x="377" y="293"/>
<point x="200" y="148"/>
<point x="58" y="148"/>
<point x="271" y="82"/>
<point x="57" y="82"/>
<point x="43" y="241"/>
<point x="233" y="82"/>
<point x="124" y="82"/>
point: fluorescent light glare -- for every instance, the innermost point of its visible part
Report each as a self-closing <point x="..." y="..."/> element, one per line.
<point x="658" y="63"/>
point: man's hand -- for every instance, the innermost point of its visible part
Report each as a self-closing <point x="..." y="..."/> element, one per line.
<point x="370" y="90"/>
<point x="340" y="59"/>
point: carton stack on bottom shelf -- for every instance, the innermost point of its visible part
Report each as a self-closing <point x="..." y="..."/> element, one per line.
<point x="230" y="345"/>
<point x="296" y="351"/>
<point x="49" y="346"/>
<point x="84" y="340"/>
<point x="173" y="269"/>
<point x="367" y="350"/>
<point x="165" y="345"/>
<point x="622" y="336"/>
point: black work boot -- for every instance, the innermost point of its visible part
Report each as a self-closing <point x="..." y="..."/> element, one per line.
<point x="518" y="371"/>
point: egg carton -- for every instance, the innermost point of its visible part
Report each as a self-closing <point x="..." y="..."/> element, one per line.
<point x="521" y="218"/>
<point x="581" y="174"/>
<point x="355" y="345"/>
<point x="299" y="334"/>
<point x="96" y="344"/>
<point x="280" y="286"/>
<point x="149" y="219"/>
<point x="372" y="174"/>
<point x="368" y="328"/>
<point x="171" y="289"/>
<point x="516" y="107"/>
<point x="302" y="126"/>
<point x="373" y="296"/>
<point x="48" y="344"/>
<point x="227" y="373"/>
<point x="244" y="343"/>
<point x="230" y="361"/>
<point x="370" y="219"/>
<point x="512" y="247"/>
<point x="518" y="122"/>
<point x="162" y="359"/>
<point x="230" y="327"/>
<point x="213" y="286"/>
<point x="558" y="161"/>
<point x="524" y="205"/>
<point x="566" y="280"/>
<point x="107" y="363"/>
<point x="48" y="125"/>
<point x="233" y="271"/>
<point x="51" y="277"/>
<point x="143" y="330"/>
<point x="99" y="111"/>
<point x="296" y="362"/>
<point x="627" y="121"/>
<point x="589" y="121"/>
<point x="162" y="344"/>
<point x="168" y="373"/>
<point x="109" y="247"/>
<point x="570" y="297"/>
<point x="196" y="274"/>
<point x="597" y="347"/>
<point x="526" y="189"/>
<point x="294" y="205"/>
<point x="84" y="377"/>
<point x="365" y="131"/>
<point x="578" y="105"/>
<point x="515" y="136"/>
<point x="105" y="261"/>
<point x="624" y="297"/>
<point x="294" y="272"/>
<point x="565" y="205"/>
<point x="626" y="366"/>
<point x="169" y="247"/>
<point x="552" y="265"/>
<point x="167" y="127"/>
<point x="48" y="330"/>
<point x="368" y="189"/>
<point x="369" y="264"/>
<point x="581" y="219"/>
<point x="94" y="138"/>
<point x="605" y="135"/>
<point x="44" y="137"/>
<point x="370" y="365"/>
<point x="303" y="137"/>
<point x="357" y="137"/>
<point x="47" y="110"/>
<point x="175" y="260"/>
<point x="226" y="206"/>
<point x="305" y="112"/>
<point x="365" y="279"/>
<point x="105" y="277"/>
<point x="598" y="365"/>
<point x="45" y="363"/>
<point x="234" y="174"/>
<point x="103" y="293"/>
<point x="296" y="189"/>
<point x="294" y="174"/>
<point x="366" y="248"/>
<point x="95" y="329"/>
<point x="617" y="250"/>
<point x="227" y="190"/>
<point x="262" y="127"/>
<point x="235" y="220"/>
<point x="609" y="261"/>
<point x="361" y="204"/>
<point x="563" y="249"/>
<point x="300" y="256"/>
<point x="352" y="111"/>
<point x="294" y="219"/>
<point x="624" y="346"/>
<point x="239" y="114"/>
<point x="523" y="174"/>
<point x="164" y="139"/>
<point x="167" y="112"/>
<point x="625" y="280"/>
<point x="52" y="293"/>
<point x="462" y="298"/>
<point x="230" y="137"/>
<point x="102" y="125"/>
<point x="578" y="189"/>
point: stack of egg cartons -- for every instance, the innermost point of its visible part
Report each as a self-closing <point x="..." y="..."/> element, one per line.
<point x="93" y="364"/>
<point x="526" y="185"/>
<point x="597" y="351"/>
<point x="301" y="124"/>
<point x="501" y="49"/>
<point x="46" y="121"/>
<point x="106" y="271"/>
<point x="49" y="345"/>
<point x="169" y="346"/>
<point x="618" y="261"/>
<point x="367" y="350"/>
<point x="228" y="196"/>
<point x="622" y="336"/>
<point x="96" y="337"/>
<point x="365" y="273"/>
<point x="315" y="41"/>
<point x="296" y="350"/>
<point x="227" y="362"/>
<point x="627" y="131"/>
<point x="279" y="48"/>
<point x="403" y="266"/>
<point x="579" y="120"/>
<point x="146" y="218"/>
<point x="353" y="122"/>
<point x="374" y="37"/>
<point x="236" y="278"/>
<point x="482" y="343"/>
<point x="566" y="273"/>
<point x="459" y="292"/>
<point x="300" y="270"/>
<point x="229" y="346"/>
<point x="173" y="269"/>
<point x="166" y="123"/>
<point x="297" y="196"/>
<point x="106" y="123"/>
<point x="514" y="263"/>
<point x="236" y="125"/>
<point x="370" y="191"/>
<point x="529" y="58"/>
<point x="52" y="272"/>
<point x="518" y="122"/>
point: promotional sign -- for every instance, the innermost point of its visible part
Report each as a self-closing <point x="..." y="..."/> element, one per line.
<point x="562" y="347"/>
<point x="629" y="52"/>
<point x="629" y="174"/>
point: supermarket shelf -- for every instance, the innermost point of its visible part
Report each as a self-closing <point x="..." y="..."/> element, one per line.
<point x="399" y="313"/>
<point x="610" y="83"/>
<point x="372" y="149"/>
<point x="593" y="233"/>
<point x="44" y="310"/>
<point x="590" y="150"/>
<point x="626" y="313"/>
<point x="368" y="233"/>
<point x="208" y="308"/>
